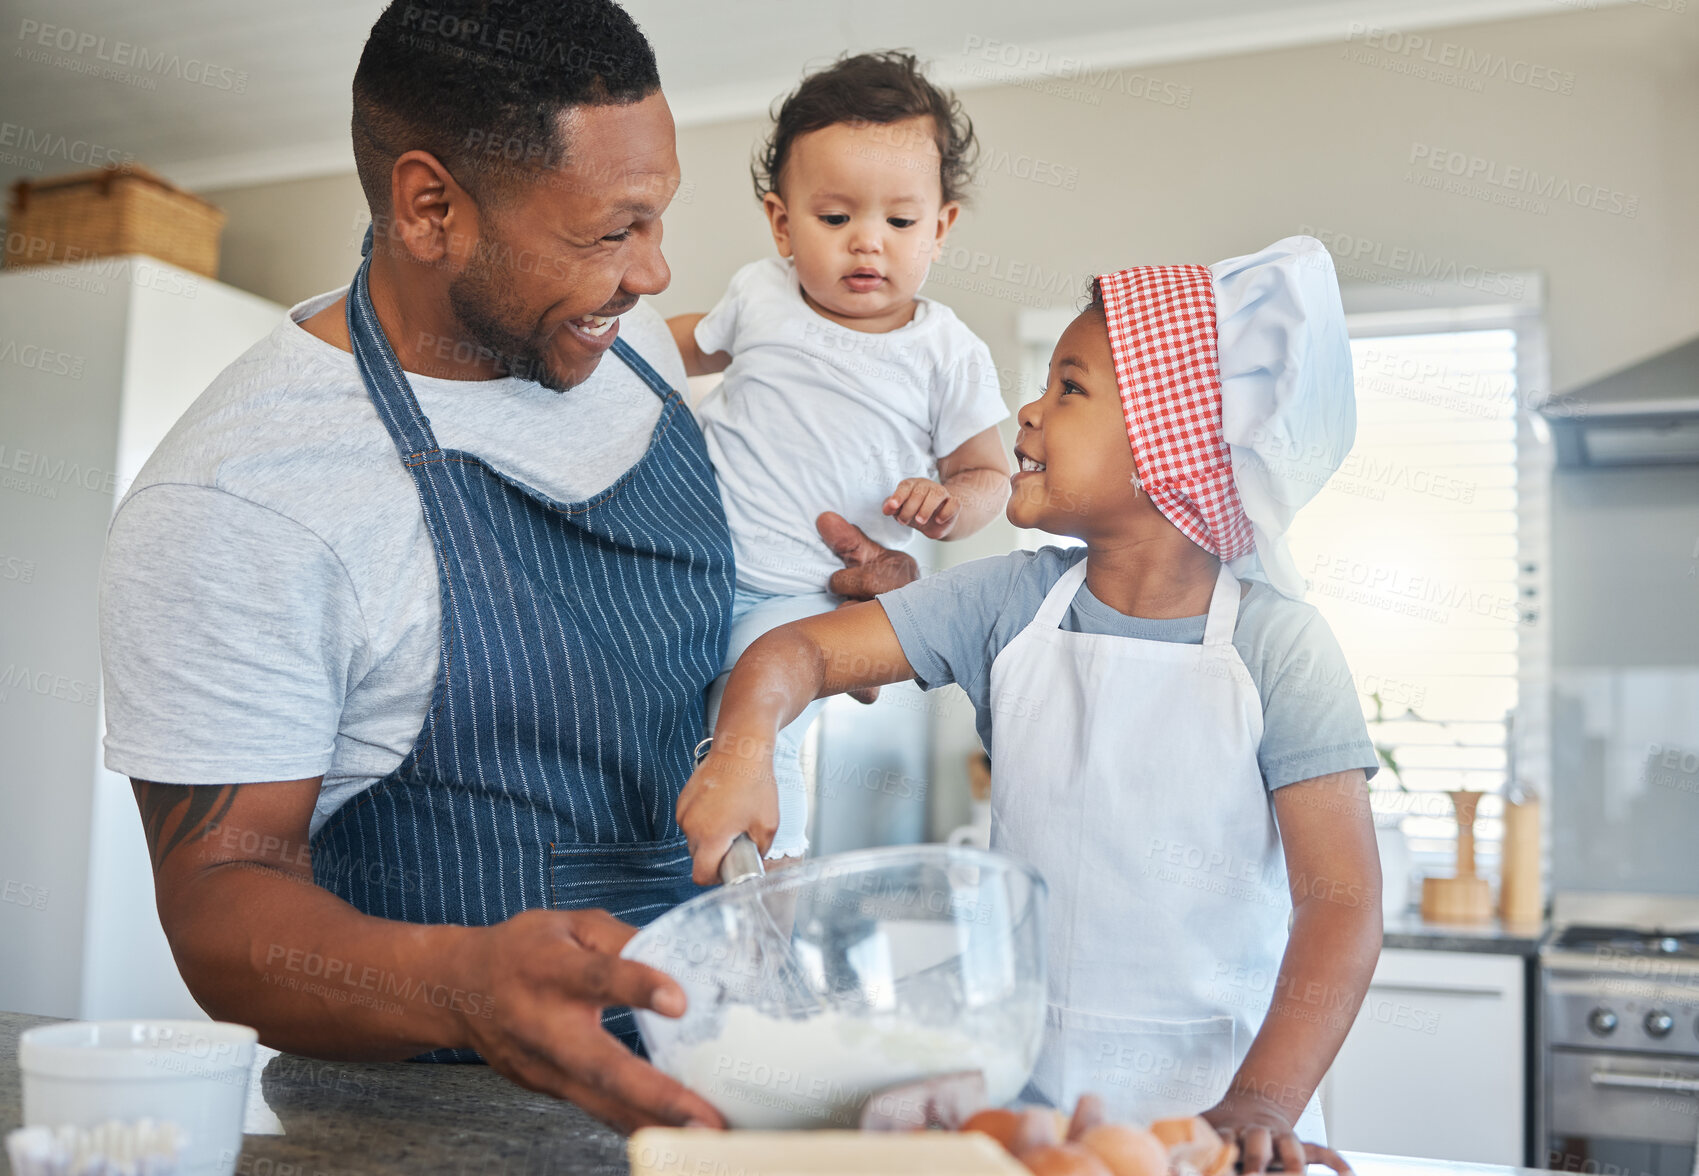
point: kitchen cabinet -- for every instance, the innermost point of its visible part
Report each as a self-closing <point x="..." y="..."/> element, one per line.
<point x="97" y="361"/>
<point x="1436" y="1063"/>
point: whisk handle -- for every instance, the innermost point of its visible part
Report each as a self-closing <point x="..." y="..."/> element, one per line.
<point x="742" y="861"/>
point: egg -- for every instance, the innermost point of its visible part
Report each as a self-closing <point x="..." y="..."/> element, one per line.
<point x="1040" y="1127"/>
<point x="1126" y="1151"/>
<point x="1193" y="1144"/>
<point x="1018" y="1131"/>
<point x="1088" y="1113"/>
<point x="1064" y="1159"/>
<point x="999" y="1125"/>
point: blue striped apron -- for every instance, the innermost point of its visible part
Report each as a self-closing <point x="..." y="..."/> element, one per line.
<point x="578" y="641"/>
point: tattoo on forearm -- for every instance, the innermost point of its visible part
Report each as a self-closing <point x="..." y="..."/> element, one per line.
<point x="174" y="814"/>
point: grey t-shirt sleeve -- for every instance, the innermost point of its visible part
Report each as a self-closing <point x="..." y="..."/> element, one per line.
<point x="230" y="636"/>
<point x="944" y="620"/>
<point x="1312" y="720"/>
<point x="953" y="624"/>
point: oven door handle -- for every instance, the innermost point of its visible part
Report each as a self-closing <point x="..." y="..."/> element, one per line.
<point x="1664" y="1083"/>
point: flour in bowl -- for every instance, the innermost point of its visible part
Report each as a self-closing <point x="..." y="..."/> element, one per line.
<point x="769" y="1073"/>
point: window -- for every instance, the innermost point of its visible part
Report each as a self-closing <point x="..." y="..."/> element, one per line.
<point x="1413" y="555"/>
<point x="1426" y="552"/>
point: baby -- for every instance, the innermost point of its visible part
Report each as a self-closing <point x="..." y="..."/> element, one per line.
<point x="844" y="390"/>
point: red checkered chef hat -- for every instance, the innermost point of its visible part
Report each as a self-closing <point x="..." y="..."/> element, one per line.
<point x="1236" y="387"/>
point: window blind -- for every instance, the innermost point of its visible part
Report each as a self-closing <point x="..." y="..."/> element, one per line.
<point x="1412" y="555"/>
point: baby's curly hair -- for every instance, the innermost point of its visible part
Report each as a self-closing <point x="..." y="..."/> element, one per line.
<point x="875" y="88"/>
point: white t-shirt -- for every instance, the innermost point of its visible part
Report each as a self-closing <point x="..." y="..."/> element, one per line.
<point x="813" y="416"/>
<point x="268" y="603"/>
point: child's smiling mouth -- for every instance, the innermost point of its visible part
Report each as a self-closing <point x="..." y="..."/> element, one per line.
<point x="1028" y="465"/>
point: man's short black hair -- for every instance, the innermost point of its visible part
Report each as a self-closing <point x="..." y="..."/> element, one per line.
<point x="480" y="84"/>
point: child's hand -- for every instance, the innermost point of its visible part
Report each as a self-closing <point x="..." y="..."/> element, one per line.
<point x="1264" y="1135"/>
<point x="732" y="791"/>
<point x="927" y="506"/>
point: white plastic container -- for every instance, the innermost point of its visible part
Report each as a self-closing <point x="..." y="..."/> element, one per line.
<point x="191" y="1073"/>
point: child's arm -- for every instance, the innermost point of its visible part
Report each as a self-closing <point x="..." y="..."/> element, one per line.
<point x="683" y="327"/>
<point x="732" y="791"/>
<point x="1333" y="870"/>
<point x="974" y="490"/>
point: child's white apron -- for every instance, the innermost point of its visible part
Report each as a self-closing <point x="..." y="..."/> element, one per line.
<point x="1126" y="771"/>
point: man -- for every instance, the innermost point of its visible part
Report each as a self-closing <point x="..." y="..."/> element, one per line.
<point x="407" y="623"/>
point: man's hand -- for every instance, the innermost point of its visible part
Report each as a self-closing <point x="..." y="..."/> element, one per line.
<point x="869" y="569"/>
<point x="925" y="505"/>
<point x="1263" y="1132"/>
<point x="732" y="791"/>
<point x="548" y="975"/>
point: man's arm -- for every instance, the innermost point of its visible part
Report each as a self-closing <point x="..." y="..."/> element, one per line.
<point x="1333" y="871"/>
<point x="259" y="943"/>
<point x="696" y="363"/>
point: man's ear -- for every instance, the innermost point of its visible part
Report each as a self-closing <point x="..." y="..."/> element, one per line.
<point x="432" y="218"/>
<point x="779" y="221"/>
<point x="947" y="215"/>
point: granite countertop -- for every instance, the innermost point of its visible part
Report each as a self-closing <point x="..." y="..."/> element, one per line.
<point x="1411" y="931"/>
<point x="314" y="1118"/>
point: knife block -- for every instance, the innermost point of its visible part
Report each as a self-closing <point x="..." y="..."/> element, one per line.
<point x="1467" y="897"/>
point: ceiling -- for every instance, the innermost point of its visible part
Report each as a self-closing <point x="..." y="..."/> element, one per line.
<point x="214" y="93"/>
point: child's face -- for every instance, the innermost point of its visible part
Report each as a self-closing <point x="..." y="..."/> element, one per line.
<point x="863" y="216"/>
<point x="1077" y="472"/>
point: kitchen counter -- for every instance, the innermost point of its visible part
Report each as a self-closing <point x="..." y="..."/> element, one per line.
<point x="316" y="1118"/>
<point x="313" y="1118"/>
<point x="1415" y="933"/>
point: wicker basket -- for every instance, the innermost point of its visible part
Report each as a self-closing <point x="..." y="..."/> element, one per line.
<point x="103" y="213"/>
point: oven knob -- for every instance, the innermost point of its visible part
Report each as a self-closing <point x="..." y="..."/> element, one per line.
<point x="1659" y="1024"/>
<point x="1602" y="1021"/>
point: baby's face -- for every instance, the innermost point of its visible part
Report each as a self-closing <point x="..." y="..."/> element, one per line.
<point x="863" y="216"/>
<point x="1077" y="470"/>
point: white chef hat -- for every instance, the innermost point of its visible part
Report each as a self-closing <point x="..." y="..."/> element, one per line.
<point x="1288" y="403"/>
<point x="1236" y="387"/>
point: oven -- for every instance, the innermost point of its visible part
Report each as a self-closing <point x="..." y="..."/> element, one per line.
<point x="1618" y="1081"/>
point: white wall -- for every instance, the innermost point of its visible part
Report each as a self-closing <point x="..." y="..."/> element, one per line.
<point x="1264" y="145"/>
<point x="1268" y="143"/>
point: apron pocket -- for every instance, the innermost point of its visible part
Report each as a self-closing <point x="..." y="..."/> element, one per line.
<point x="637" y="881"/>
<point x="1144" y="1068"/>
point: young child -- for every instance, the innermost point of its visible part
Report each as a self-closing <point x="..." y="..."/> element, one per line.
<point x="1175" y="739"/>
<point x="844" y="390"/>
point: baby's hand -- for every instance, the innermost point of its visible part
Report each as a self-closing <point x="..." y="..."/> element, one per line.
<point x="927" y="506"/>
<point x="732" y="791"/>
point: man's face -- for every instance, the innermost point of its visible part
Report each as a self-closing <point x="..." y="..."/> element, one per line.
<point x="560" y="258"/>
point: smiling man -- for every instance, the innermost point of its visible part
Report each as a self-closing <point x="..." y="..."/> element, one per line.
<point x="408" y="622"/>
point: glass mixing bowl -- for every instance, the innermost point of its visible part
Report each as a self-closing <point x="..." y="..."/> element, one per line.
<point x="818" y="985"/>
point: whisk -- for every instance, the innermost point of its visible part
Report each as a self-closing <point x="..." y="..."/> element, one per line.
<point x="783" y="983"/>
